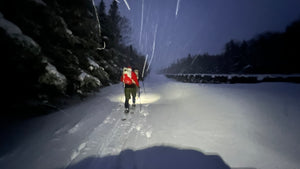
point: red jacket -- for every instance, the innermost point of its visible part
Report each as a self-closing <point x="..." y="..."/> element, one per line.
<point x="133" y="78"/>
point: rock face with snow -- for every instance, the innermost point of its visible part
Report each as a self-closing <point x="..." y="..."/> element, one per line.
<point x="54" y="49"/>
<point x="53" y="78"/>
<point x="87" y="82"/>
<point x="13" y="33"/>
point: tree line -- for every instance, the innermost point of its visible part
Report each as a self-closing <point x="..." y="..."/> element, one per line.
<point x="269" y="52"/>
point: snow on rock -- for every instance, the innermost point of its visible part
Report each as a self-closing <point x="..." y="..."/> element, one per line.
<point x="28" y="43"/>
<point x="93" y="64"/>
<point x="16" y="35"/>
<point x="53" y="78"/>
<point x="98" y="71"/>
<point x="9" y="27"/>
<point x="69" y="31"/>
<point x="39" y="2"/>
<point x="84" y="76"/>
<point x="88" y="82"/>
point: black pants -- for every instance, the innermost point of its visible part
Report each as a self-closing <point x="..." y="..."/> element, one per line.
<point x="130" y="91"/>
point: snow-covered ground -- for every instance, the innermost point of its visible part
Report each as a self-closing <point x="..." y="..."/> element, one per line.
<point x="175" y="125"/>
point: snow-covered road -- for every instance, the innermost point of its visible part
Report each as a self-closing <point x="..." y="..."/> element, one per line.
<point x="175" y="125"/>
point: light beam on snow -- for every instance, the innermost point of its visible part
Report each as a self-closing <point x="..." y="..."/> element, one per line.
<point x="153" y="47"/>
<point x="142" y="23"/>
<point x="143" y="99"/>
<point x="144" y="66"/>
<point x="177" y="8"/>
<point x="127" y="4"/>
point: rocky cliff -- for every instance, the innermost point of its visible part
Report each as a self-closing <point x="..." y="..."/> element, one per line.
<point x="52" y="49"/>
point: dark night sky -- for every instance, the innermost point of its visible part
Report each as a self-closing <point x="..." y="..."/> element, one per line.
<point x="201" y="26"/>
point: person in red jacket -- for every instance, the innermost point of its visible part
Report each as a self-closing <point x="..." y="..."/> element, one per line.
<point x="131" y="83"/>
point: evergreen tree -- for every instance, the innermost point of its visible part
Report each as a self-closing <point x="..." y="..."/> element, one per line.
<point x="125" y="30"/>
<point x="101" y="10"/>
<point x="104" y="21"/>
<point x="115" y="18"/>
<point x="269" y="52"/>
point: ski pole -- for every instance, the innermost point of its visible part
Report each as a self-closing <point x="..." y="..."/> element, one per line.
<point x="139" y="93"/>
<point x="143" y="86"/>
<point x="140" y="100"/>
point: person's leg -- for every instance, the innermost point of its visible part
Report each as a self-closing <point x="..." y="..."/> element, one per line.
<point x="133" y="93"/>
<point x="127" y="97"/>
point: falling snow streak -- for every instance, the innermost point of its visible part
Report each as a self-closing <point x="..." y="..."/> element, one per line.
<point x="99" y="27"/>
<point x="195" y="58"/>
<point x="177" y="8"/>
<point x="127" y="4"/>
<point x="142" y="23"/>
<point x="153" y="47"/>
<point x="144" y="66"/>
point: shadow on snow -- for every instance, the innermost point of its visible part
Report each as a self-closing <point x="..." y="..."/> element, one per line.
<point x="158" y="157"/>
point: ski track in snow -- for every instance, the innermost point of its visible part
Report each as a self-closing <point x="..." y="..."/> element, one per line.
<point x="111" y="136"/>
<point x="74" y="129"/>
<point x="77" y="152"/>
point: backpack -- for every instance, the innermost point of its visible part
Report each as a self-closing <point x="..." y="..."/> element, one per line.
<point x="127" y="76"/>
<point x="136" y="73"/>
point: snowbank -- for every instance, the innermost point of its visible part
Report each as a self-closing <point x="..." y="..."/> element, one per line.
<point x="235" y="78"/>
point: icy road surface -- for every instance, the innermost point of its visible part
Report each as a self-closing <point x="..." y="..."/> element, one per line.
<point x="174" y="125"/>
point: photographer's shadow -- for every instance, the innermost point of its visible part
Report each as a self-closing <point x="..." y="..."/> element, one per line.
<point x="159" y="157"/>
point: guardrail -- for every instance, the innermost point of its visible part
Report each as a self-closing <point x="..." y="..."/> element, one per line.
<point x="234" y="78"/>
